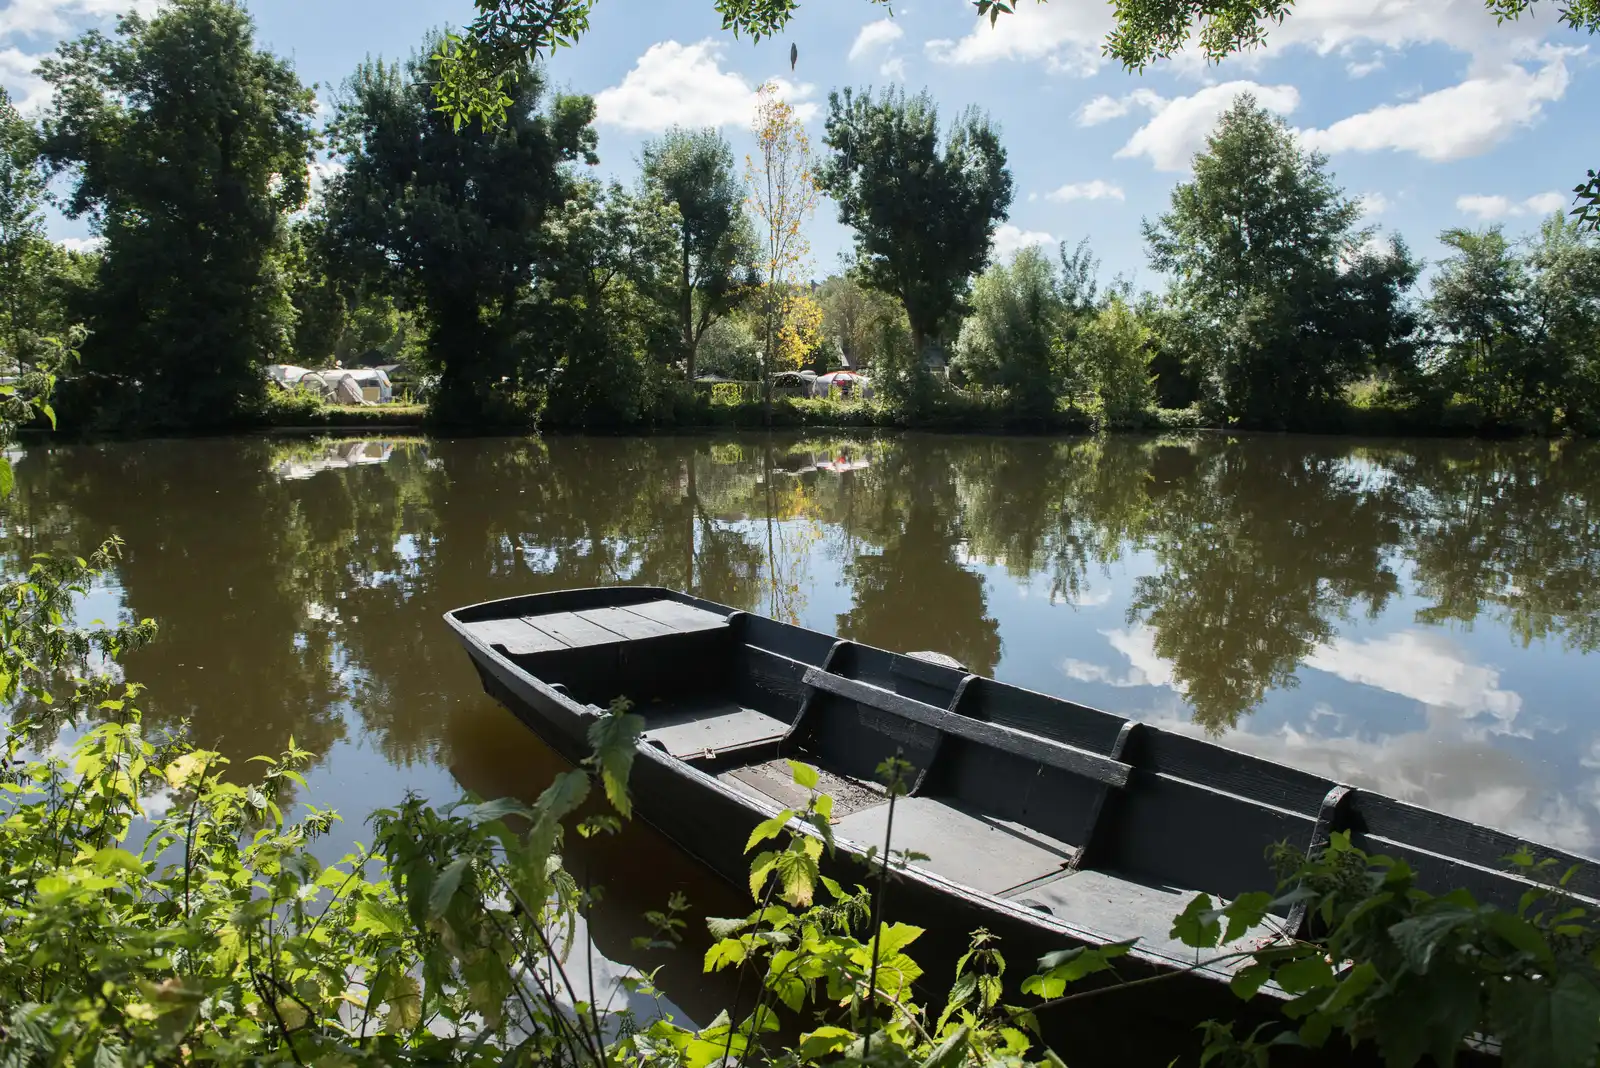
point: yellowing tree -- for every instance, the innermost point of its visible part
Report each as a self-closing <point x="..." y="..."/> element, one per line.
<point x="783" y="194"/>
<point x="799" y="331"/>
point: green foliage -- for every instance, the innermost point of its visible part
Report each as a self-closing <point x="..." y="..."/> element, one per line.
<point x="1112" y="353"/>
<point x="1281" y="303"/>
<point x="596" y="334"/>
<point x="693" y="172"/>
<point x="23" y="246"/>
<point x="451" y="221"/>
<point x="188" y="147"/>
<point x="923" y="215"/>
<point x="1012" y="339"/>
<point x="853" y="317"/>
<point x="1516" y="331"/>
<point x="1414" y="973"/>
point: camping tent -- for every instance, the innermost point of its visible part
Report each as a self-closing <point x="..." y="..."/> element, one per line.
<point x="843" y="383"/>
<point x="361" y="385"/>
<point x="286" y="375"/>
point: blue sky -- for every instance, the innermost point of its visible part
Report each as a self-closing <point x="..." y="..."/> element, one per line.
<point x="1428" y="110"/>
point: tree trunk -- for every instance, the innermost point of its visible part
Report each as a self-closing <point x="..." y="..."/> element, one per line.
<point x="688" y="309"/>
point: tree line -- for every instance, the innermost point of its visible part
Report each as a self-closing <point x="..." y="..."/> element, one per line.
<point x="518" y="289"/>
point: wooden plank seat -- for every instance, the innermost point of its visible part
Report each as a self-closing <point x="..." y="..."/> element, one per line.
<point x="553" y="631"/>
<point x="691" y="729"/>
<point x="1069" y="758"/>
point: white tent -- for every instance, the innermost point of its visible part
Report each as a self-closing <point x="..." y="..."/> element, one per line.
<point x="286" y="375"/>
<point x="360" y="385"/>
<point x="836" y="383"/>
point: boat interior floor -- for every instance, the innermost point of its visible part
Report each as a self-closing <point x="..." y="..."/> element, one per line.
<point x="692" y="728"/>
<point x="993" y="856"/>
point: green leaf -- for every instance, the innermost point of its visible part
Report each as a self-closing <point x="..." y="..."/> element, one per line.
<point x="1244" y="912"/>
<point x="950" y="1052"/>
<point x="1549" y="1025"/>
<point x="405" y="1005"/>
<point x="376" y="917"/>
<point x="768" y="829"/>
<point x="760" y="868"/>
<point x="1307" y="973"/>
<point x="614" y="740"/>
<point x="496" y="810"/>
<point x="723" y="953"/>
<point x="8" y="477"/>
<point x="1419" y="937"/>
<point x="804" y="774"/>
<point x="1198" y="924"/>
<point x="820" y="1043"/>
<point x="1247" y="981"/>
<point x="445" y="886"/>
<point x="1427" y="1015"/>
<point x="1522" y="935"/>
<point x="966" y="986"/>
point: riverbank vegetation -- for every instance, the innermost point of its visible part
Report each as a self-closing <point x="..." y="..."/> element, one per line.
<point x="515" y="290"/>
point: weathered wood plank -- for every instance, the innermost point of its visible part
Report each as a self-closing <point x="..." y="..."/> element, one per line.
<point x="620" y="621"/>
<point x="572" y="630"/>
<point x="512" y="637"/>
<point x="678" y="616"/>
<point x="1066" y="757"/>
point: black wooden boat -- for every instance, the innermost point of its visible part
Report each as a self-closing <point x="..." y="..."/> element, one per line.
<point x="1049" y="823"/>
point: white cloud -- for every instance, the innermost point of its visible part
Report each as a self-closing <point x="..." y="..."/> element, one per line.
<point x="1179" y="127"/>
<point x="1090" y="190"/>
<point x="321" y="171"/>
<point x="1146" y="667"/>
<point x="875" y="36"/>
<point x="1105" y="108"/>
<point x="81" y="244"/>
<point x="1372" y="204"/>
<point x="1362" y="69"/>
<point x="1462" y="120"/>
<point x="1066" y="34"/>
<point x="29" y="92"/>
<point x="1330" y="26"/>
<point x="1499" y="207"/>
<point x="1423" y="666"/>
<point x="893" y="68"/>
<point x="58" y="17"/>
<point x="1008" y="240"/>
<point x="675" y="84"/>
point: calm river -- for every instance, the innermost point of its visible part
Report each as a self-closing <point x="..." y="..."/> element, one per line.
<point x="1417" y="617"/>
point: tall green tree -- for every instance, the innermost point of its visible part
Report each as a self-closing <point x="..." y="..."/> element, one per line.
<point x="594" y="333"/>
<point x="1479" y="312"/>
<point x="22" y="240"/>
<point x="924" y="214"/>
<point x="1289" y="301"/>
<point x="693" y="171"/>
<point x="450" y="218"/>
<point x="188" y="147"/>
<point x="1565" y="259"/>
<point x="1012" y="339"/>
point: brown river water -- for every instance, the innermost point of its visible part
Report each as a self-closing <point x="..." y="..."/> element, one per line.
<point x="1417" y="617"/>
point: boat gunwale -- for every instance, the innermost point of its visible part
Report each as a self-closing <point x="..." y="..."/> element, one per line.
<point x="1403" y="813"/>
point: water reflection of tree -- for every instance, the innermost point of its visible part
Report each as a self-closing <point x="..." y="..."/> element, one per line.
<point x="1507" y="531"/>
<point x="1057" y="507"/>
<point x="1260" y="551"/>
<point x="290" y="606"/>
<point x="204" y="558"/>
<point x="915" y="592"/>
